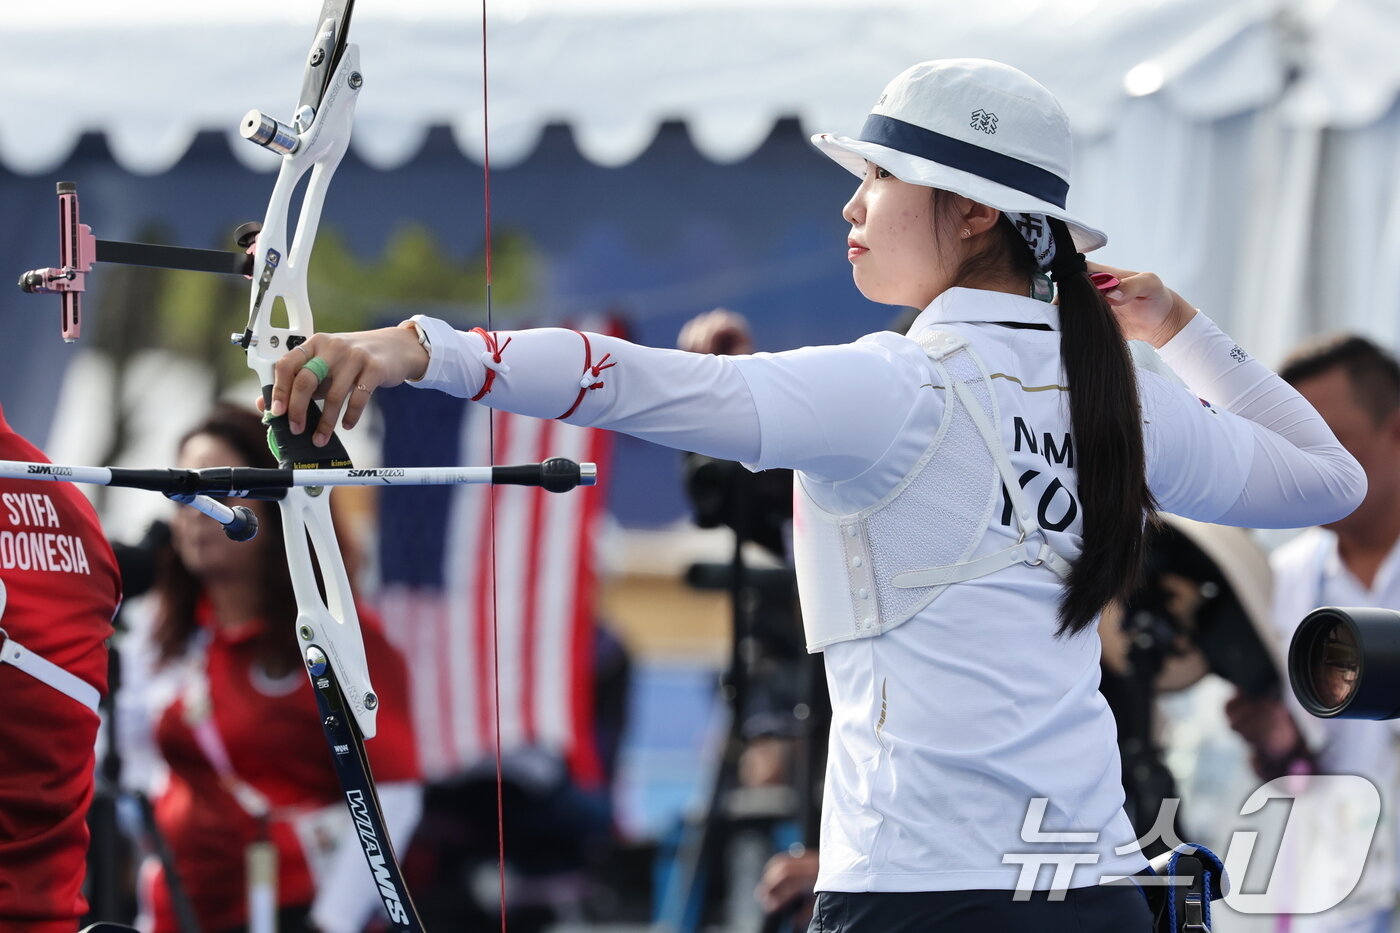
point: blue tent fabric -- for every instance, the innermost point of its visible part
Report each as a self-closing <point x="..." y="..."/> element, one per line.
<point x="666" y="237"/>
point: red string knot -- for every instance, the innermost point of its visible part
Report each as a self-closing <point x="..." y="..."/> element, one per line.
<point x="591" y="371"/>
<point x="491" y="359"/>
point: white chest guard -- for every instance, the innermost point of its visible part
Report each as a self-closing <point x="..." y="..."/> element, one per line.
<point x="864" y="573"/>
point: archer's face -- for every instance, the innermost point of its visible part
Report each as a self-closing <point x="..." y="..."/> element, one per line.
<point x="893" y="248"/>
<point x="200" y="541"/>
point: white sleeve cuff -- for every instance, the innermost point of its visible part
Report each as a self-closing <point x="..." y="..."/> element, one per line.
<point x="454" y="359"/>
<point x="1298" y="473"/>
<point x="1209" y="361"/>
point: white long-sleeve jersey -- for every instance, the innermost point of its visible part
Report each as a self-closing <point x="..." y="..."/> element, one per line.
<point x="948" y="728"/>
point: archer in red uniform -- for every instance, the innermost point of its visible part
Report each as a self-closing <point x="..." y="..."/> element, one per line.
<point x="61" y="588"/>
<point x="235" y="721"/>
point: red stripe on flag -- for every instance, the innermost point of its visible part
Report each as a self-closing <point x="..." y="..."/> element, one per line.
<point x="413" y="621"/>
<point x="544" y="441"/>
<point x="432" y="623"/>
<point x="582" y="753"/>
<point x="541" y="542"/>
<point x="485" y="602"/>
<point x="441" y="664"/>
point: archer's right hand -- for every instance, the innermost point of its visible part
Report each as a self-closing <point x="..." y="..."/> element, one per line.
<point x="1145" y="308"/>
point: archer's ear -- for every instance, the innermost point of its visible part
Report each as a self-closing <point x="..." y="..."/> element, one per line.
<point x="979" y="218"/>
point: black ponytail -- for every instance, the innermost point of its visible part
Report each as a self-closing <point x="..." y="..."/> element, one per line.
<point x="1107" y="423"/>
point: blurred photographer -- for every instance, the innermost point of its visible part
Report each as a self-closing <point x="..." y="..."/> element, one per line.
<point x="1355" y="387"/>
<point x="758" y="508"/>
<point x="1202" y="607"/>
<point x="781" y="678"/>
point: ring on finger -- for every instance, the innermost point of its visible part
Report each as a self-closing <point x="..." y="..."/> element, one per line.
<point x="364" y="388"/>
<point x="318" y="368"/>
<point x="302" y="348"/>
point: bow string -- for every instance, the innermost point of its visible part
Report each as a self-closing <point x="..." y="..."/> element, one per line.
<point x="490" y="493"/>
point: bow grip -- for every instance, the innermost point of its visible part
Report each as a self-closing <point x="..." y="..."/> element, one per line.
<point x="296" y="451"/>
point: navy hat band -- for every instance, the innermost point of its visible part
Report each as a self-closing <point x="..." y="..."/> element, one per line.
<point x="964" y="156"/>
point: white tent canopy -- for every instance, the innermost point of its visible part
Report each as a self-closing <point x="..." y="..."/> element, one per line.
<point x="1241" y="148"/>
<point x="152" y="74"/>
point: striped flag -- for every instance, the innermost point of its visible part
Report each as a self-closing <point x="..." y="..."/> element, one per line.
<point x="512" y="606"/>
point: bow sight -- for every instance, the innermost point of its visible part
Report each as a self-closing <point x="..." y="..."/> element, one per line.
<point x="78" y="249"/>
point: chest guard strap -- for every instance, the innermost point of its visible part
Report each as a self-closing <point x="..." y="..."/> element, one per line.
<point x="854" y="570"/>
<point x="45" y="671"/>
<point x="939" y="345"/>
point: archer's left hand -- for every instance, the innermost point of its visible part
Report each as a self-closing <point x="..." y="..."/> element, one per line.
<point x="355" y="365"/>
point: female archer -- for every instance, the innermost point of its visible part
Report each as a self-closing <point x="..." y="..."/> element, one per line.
<point x="969" y="494"/>
<point x="232" y="715"/>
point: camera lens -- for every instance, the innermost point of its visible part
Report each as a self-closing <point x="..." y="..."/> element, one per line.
<point x="1345" y="662"/>
<point x="1334" y="664"/>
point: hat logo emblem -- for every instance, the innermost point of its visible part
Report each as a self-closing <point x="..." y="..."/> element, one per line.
<point x="985" y="121"/>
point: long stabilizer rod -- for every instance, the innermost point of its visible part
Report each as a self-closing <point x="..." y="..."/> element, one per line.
<point x="196" y="487"/>
<point x="556" y="475"/>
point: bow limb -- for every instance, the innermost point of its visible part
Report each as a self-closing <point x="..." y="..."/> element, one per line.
<point x="328" y="628"/>
<point x="280" y="273"/>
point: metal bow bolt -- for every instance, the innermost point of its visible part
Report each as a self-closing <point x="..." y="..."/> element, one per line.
<point x="327" y="627"/>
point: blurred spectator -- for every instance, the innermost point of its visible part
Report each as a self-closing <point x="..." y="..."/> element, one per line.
<point x="790" y="878"/>
<point x="779" y="748"/>
<point x="59" y="589"/>
<point x="718" y="331"/>
<point x="1355" y="386"/>
<point x="236" y="722"/>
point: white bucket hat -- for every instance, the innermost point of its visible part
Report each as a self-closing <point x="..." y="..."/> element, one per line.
<point x="976" y="128"/>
